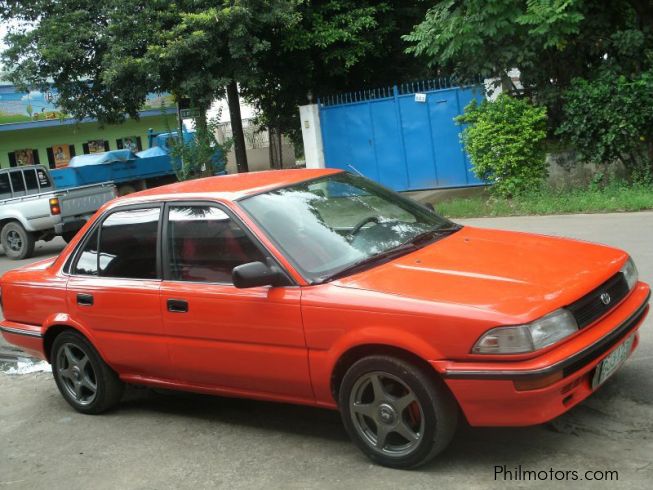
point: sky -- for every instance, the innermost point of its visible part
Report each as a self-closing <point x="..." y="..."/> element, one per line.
<point x="4" y="26"/>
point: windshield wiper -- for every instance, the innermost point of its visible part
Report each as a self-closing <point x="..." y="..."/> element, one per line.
<point x="391" y="253"/>
<point x="380" y="257"/>
<point x="429" y="235"/>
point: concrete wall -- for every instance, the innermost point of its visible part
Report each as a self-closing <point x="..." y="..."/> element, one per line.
<point x="259" y="158"/>
<point x="567" y="171"/>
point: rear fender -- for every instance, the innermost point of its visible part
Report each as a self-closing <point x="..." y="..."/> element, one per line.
<point x="65" y="320"/>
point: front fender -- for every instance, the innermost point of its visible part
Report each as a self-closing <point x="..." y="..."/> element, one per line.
<point x="323" y="362"/>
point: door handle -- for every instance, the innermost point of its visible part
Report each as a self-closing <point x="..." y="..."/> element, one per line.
<point x="178" y="306"/>
<point x="84" y="299"/>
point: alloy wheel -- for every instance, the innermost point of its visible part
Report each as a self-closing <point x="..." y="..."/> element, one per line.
<point x="76" y="374"/>
<point x="386" y="414"/>
<point x="14" y="240"/>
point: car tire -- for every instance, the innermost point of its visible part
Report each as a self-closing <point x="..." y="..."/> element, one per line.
<point x="17" y="242"/>
<point x="397" y="413"/>
<point x="86" y="382"/>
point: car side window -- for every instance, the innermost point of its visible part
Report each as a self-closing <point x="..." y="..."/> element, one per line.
<point x="5" y="188"/>
<point x="30" y="181"/>
<point x="205" y="244"/>
<point x="17" y="181"/>
<point x="128" y="243"/>
<point x="88" y="259"/>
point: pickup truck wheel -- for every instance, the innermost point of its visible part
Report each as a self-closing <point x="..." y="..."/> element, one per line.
<point x="396" y="413"/>
<point x="17" y="242"/>
<point x="86" y="382"/>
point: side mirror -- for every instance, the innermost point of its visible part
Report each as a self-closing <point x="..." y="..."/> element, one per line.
<point x="255" y="274"/>
<point x="429" y="206"/>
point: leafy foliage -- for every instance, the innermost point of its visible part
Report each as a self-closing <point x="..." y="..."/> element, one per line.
<point x="336" y="46"/>
<point x="505" y="142"/>
<point x="104" y="57"/>
<point x="551" y="41"/>
<point x="202" y="155"/>
<point x="610" y="118"/>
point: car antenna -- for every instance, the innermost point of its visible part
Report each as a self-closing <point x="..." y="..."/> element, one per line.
<point x="355" y="169"/>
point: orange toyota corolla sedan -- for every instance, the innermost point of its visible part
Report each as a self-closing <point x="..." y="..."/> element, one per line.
<point x="322" y="288"/>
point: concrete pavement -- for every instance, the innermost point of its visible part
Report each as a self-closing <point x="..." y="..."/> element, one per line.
<point x="163" y="440"/>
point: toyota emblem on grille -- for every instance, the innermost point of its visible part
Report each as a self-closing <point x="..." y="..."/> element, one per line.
<point x="605" y="298"/>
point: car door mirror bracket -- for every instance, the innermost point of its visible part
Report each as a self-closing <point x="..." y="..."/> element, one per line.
<point x="254" y="274"/>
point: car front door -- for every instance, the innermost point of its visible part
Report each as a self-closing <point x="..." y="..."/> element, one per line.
<point x="247" y="340"/>
<point x="113" y="290"/>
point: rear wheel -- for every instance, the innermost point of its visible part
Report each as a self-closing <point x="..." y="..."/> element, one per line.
<point x="86" y="382"/>
<point x="397" y="414"/>
<point x="17" y="242"/>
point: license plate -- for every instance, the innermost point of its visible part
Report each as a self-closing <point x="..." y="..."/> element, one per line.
<point x="608" y="366"/>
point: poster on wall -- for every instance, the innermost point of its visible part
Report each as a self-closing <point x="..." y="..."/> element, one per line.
<point x="59" y="155"/>
<point x="96" y="146"/>
<point x="131" y="143"/>
<point x="24" y="157"/>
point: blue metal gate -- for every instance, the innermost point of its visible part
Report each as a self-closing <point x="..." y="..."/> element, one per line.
<point x="403" y="136"/>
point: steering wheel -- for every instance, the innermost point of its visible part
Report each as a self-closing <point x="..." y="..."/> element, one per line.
<point x="356" y="229"/>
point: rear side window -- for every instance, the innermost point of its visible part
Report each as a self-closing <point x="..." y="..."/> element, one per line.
<point x="5" y="189"/>
<point x="87" y="261"/>
<point x="17" y="181"/>
<point x="128" y="242"/>
<point x="30" y="180"/>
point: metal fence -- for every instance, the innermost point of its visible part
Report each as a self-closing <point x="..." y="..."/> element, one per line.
<point x="403" y="136"/>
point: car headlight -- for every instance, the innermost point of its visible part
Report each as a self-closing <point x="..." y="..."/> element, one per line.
<point x="533" y="336"/>
<point x="629" y="270"/>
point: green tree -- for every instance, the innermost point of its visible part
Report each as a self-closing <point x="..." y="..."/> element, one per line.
<point x="336" y="46"/>
<point x="610" y="118"/>
<point x="105" y="57"/>
<point x="552" y="42"/>
<point x="505" y="142"/>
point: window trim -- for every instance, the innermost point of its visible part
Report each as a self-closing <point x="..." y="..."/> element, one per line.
<point x="164" y="245"/>
<point x="97" y="225"/>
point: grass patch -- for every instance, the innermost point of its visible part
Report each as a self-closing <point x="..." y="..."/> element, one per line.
<point x="610" y="199"/>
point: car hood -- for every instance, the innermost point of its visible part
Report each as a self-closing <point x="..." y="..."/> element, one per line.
<point x="521" y="275"/>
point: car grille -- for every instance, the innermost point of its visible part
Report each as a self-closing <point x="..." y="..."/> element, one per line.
<point x="591" y="307"/>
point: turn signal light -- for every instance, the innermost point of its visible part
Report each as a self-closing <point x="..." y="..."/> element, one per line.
<point x="537" y="383"/>
<point x="54" y="206"/>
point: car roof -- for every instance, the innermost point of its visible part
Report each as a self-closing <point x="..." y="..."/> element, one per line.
<point x="228" y="187"/>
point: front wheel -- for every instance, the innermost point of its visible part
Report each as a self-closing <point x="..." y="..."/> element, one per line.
<point x="86" y="382"/>
<point x="396" y="413"/>
<point x="17" y="242"/>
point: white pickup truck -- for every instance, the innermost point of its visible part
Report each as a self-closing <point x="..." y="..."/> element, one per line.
<point x="32" y="209"/>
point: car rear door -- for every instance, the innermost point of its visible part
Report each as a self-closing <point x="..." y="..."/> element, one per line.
<point x="248" y="340"/>
<point x="114" y="288"/>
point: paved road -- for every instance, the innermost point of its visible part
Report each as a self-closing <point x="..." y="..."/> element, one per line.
<point x="157" y="440"/>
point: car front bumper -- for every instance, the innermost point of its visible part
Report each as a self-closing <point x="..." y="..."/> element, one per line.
<point x="487" y="393"/>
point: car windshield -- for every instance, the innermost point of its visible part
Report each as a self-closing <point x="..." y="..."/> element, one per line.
<point x="332" y="225"/>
